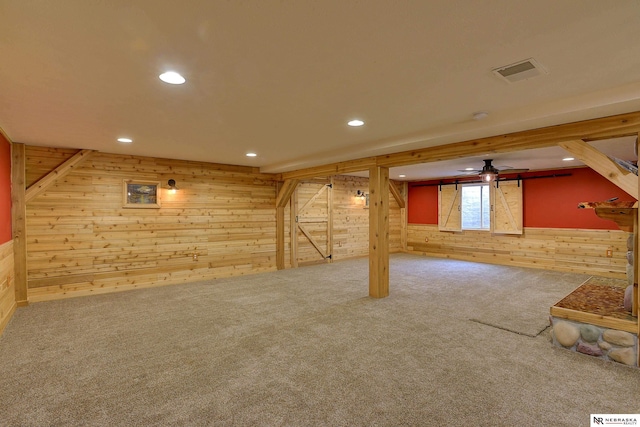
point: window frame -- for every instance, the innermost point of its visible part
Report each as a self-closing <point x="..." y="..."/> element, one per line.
<point x="482" y="196"/>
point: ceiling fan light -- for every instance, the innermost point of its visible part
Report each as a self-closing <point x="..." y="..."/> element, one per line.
<point x="488" y="176"/>
<point x="488" y="173"/>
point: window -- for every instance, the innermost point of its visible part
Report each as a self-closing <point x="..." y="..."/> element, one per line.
<point x="475" y="207"/>
<point x="491" y="207"/>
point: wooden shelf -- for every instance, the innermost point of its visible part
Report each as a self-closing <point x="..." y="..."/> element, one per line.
<point x="625" y="218"/>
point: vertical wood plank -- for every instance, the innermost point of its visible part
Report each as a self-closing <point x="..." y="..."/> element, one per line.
<point x="404" y="219"/>
<point x="379" y="232"/>
<point x="7" y="287"/>
<point x="293" y="229"/>
<point x="19" y="221"/>
<point x="280" y="238"/>
<point x="280" y="226"/>
<point x="330" y="219"/>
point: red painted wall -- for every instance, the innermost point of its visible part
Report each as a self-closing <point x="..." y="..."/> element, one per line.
<point x="422" y="204"/>
<point x="552" y="203"/>
<point x="5" y="190"/>
<point x="547" y="202"/>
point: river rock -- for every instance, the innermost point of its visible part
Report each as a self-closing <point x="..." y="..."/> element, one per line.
<point x="630" y="274"/>
<point x="566" y="333"/>
<point x="620" y="338"/>
<point x="630" y="242"/>
<point x="623" y="355"/>
<point x="630" y="257"/>
<point x="589" y="333"/>
<point x="605" y="346"/>
<point x="591" y="350"/>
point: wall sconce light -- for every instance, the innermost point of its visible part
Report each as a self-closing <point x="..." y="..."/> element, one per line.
<point x="360" y="193"/>
<point x="172" y="186"/>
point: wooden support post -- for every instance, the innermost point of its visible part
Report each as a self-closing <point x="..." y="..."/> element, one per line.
<point x="284" y="193"/>
<point x="19" y="221"/>
<point x="378" y="232"/>
<point x="330" y="219"/>
<point x="293" y="229"/>
<point x="280" y="238"/>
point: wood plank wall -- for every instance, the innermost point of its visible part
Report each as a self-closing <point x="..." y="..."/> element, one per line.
<point x="80" y="240"/>
<point x="7" y="284"/>
<point x="351" y="219"/>
<point x="572" y="250"/>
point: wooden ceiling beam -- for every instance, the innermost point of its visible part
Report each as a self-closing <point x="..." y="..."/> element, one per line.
<point x="601" y="128"/>
<point x="602" y="164"/>
<point x="607" y="127"/>
<point x="332" y="169"/>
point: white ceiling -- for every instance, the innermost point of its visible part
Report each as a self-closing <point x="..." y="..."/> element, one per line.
<point x="282" y="78"/>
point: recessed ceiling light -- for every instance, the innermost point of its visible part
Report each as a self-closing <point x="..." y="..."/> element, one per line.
<point x="469" y="169"/>
<point x="172" y="77"/>
<point x="568" y="159"/>
<point x="251" y="155"/>
<point x="355" y="123"/>
<point x="125" y="140"/>
<point x="402" y="176"/>
<point x="480" y="115"/>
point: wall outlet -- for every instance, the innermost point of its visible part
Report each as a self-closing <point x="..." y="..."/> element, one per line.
<point x="195" y="257"/>
<point x="609" y="252"/>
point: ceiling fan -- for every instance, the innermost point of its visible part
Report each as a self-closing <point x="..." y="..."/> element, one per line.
<point x="490" y="173"/>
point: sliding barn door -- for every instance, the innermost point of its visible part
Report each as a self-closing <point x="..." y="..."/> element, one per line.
<point x="506" y="207"/>
<point x="312" y="230"/>
<point x="449" y="213"/>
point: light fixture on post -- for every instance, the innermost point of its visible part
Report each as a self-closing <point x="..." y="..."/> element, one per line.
<point x="488" y="173"/>
<point x="360" y="193"/>
<point x="172" y="186"/>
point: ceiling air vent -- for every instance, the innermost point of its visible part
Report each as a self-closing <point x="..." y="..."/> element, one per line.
<point x="522" y="70"/>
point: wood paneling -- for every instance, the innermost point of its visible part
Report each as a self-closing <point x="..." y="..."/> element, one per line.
<point x="351" y="219"/>
<point x="19" y="221"/>
<point x="7" y="284"/>
<point x="80" y="240"/>
<point x="578" y="251"/>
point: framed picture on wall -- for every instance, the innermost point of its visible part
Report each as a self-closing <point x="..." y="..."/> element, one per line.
<point x="141" y="194"/>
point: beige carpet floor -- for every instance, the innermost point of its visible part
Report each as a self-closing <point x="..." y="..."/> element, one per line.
<point x="308" y="347"/>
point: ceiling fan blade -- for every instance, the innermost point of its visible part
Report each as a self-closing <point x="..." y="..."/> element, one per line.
<point x="504" y="171"/>
<point x="466" y="172"/>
